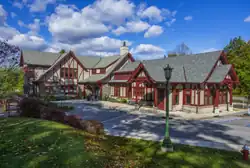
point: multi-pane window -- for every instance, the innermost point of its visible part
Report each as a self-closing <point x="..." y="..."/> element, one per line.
<point x="208" y="97"/>
<point x="223" y="97"/>
<point x="122" y="91"/>
<point x="187" y="96"/>
<point x="112" y="91"/>
<point x="68" y="72"/>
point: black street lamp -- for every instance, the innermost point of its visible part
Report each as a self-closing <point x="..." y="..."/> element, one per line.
<point x="167" y="144"/>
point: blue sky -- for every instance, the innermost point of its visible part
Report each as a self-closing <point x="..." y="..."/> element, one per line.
<point x="152" y="28"/>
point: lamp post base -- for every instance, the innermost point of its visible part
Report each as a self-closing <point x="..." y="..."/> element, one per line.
<point x="167" y="145"/>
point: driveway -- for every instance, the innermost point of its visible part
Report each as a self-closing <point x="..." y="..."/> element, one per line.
<point x="226" y="133"/>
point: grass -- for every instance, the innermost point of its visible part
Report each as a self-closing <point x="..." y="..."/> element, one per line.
<point x="27" y="143"/>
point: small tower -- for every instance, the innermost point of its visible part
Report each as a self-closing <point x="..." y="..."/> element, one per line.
<point x="123" y="48"/>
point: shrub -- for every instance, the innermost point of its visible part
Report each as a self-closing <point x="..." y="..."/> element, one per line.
<point x="54" y="114"/>
<point x="105" y="97"/>
<point x="123" y="100"/>
<point x="73" y="120"/>
<point x="111" y="99"/>
<point x="30" y="107"/>
<point x="92" y="126"/>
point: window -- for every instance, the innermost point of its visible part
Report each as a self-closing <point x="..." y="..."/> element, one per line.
<point x="97" y="70"/>
<point x="175" y="97"/>
<point x="208" y="97"/>
<point x="123" y="91"/>
<point x="69" y="73"/>
<point x="112" y="91"/>
<point x="187" y="96"/>
<point x="223" y="97"/>
<point x="149" y="95"/>
<point x="117" y="91"/>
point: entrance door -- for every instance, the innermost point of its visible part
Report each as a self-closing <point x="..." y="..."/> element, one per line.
<point x="139" y="91"/>
<point x="161" y="96"/>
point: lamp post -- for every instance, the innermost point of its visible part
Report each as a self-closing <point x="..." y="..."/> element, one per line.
<point x="167" y="144"/>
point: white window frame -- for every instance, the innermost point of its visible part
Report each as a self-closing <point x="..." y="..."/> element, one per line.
<point x="122" y="91"/>
<point x="112" y="91"/>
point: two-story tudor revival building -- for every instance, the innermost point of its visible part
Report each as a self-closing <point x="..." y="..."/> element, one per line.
<point x="200" y="82"/>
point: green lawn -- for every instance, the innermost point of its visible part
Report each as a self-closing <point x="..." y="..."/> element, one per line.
<point x="31" y="143"/>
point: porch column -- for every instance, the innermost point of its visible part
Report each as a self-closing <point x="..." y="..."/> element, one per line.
<point x="230" y="96"/>
<point x="216" y="98"/>
<point x="100" y="90"/>
<point x="155" y="96"/>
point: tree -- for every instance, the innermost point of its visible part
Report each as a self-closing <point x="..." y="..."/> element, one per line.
<point x="180" y="50"/>
<point x="238" y="54"/>
<point x="62" y="51"/>
<point x="172" y="54"/>
<point x="9" y="70"/>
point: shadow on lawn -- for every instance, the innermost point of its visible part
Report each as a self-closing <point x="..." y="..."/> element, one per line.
<point x="27" y="142"/>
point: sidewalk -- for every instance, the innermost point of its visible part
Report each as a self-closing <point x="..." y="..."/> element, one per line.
<point x="160" y="113"/>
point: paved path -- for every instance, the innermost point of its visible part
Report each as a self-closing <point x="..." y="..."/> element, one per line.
<point x="221" y="135"/>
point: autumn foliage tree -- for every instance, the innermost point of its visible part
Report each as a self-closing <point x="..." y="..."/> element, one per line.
<point x="11" y="77"/>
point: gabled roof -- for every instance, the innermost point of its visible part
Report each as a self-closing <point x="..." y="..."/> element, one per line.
<point x="106" y="61"/>
<point x="190" y="68"/>
<point x="98" y="77"/>
<point x="39" y="58"/>
<point x="48" y="58"/>
<point x="219" y="73"/>
<point x="129" y="66"/>
<point x="58" y="60"/>
<point x="89" y="61"/>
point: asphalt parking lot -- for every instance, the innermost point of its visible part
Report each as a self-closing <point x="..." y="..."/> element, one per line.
<point x="122" y="123"/>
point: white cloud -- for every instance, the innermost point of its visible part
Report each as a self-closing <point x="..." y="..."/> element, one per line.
<point x="100" y="45"/>
<point x="26" y="41"/>
<point x="113" y="11"/>
<point x="34" y="27"/>
<point x="247" y="19"/>
<point x="209" y="50"/>
<point x="12" y="14"/>
<point x="40" y="5"/>
<point x="144" y="50"/>
<point x="132" y="27"/>
<point x="20" y="23"/>
<point x="69" y="25"/>
<point x="120" y="30"/>
<point x="169" y="23"/>
<point x="188" y="18"/>
<point x="3" y="15"/>
<point x="137" y="26"/>
<point x="153" y="13"/>
<point x="7" y="33"/>
<point x="18" y="4"/>
<point x="153" y="31"/>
